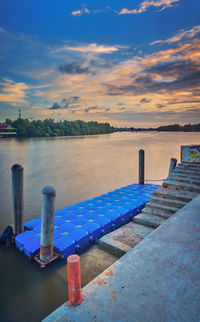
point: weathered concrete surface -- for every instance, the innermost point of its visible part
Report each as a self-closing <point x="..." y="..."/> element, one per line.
<point x="158" y="280"/>
<point x="126" y="237"/>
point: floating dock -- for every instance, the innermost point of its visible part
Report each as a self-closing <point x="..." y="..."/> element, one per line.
<point x="79" y="226"/>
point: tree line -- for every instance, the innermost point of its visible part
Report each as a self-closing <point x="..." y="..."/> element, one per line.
<point x="48" y="127"/>
<point x="177" y="128"/>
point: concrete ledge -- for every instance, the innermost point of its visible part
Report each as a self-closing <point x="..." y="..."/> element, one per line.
<point x="157" y="280"/>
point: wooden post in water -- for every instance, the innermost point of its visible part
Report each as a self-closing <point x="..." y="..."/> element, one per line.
<point x="141" y="166"/>
<point x="47" y="223"/>
<point x="18" y="199"/>
<point x="172" y="165"/>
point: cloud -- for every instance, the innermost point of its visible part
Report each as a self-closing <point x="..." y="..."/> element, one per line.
<point x="162" y="4"/>
<point x="88" y="109"/>
<point x="144" y="100"/>
<point x="160" y="105"/>
<point x="68" y="103"/>
<point x="56" y="106"/>
<point x="74" y="68"/>
<point x="174" y="69"/>
<point x="91" y="48"/>
<point x="12" y="92"/>
<point x="1" y="29"/>
<point x="183" y="34"/>
<point x="80" y="12"/>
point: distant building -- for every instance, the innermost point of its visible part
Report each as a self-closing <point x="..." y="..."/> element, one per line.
<point x="7" y="131"/>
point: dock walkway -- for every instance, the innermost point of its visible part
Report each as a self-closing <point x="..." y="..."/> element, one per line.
<point x="157" y="280"/>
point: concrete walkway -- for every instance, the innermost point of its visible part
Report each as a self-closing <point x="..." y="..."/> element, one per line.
<point x="157" y="280"/>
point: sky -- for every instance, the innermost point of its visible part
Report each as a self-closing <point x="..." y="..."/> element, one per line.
<point x="126" y="62"/>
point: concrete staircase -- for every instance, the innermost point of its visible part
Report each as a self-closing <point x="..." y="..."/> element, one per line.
<point x="181" y="186"/>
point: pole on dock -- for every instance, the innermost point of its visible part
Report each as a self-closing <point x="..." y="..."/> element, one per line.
<point x="172" y="165"/>
<point x="141" y="166"/>
<point x="18" y="199"/>
<point x="47" y="223"/>
<point x="74" y="280"/>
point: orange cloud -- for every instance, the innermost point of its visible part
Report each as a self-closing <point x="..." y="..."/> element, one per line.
<point x="163" y="4"/>
<point x="182" y="34"/>
<point x="91" y="48"/>
<point x="12" y="92"/>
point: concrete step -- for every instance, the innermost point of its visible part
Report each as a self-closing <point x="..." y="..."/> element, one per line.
<point x="186" y="179"/>
<point x="181" y="185"/>
<point x="187" y="171"/>
<point x="121" y="240"/>
<point x="169" y="202"/>
<point x="174" y="194"/>
<point x="186" y="165"/>
<point x="158" y="206"/>
<point x="186" y="175"/>
<point x="156" y="212"/>
<point x="148" y="220"/>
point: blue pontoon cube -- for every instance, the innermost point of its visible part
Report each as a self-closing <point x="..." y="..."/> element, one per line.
<point x="93" y="229"/>
<point x="80" y="236"/>
<point x="32" y="246"/>
<point x="22" y="238"/>
<point x="65" y="245"/>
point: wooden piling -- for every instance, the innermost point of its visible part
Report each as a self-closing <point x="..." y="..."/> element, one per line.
<point x="18" y="199"/>
<point x="172" y="165"/>
<point x="141" y="166"/>
<point x="47" y="223"/>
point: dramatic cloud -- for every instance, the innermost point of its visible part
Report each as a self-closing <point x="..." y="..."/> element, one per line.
<point x="80" y="12"/>
<point x="91" y="48"/>
<point x="176" y="69"/>
<point x="74" y="68"/>
<point x="183" y="34"/>
<point x="12" y="92"/>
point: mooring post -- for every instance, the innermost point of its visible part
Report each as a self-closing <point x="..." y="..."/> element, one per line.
<point x="172" y="165"/>
<point x="47" y="223"/>
<point x="74" y="280"/>
<point x="18" y="199"/>
<point x="141" y="166"/>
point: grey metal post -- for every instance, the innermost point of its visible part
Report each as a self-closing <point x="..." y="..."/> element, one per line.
<point x="18" y="199"/>
<point x="172" y="165"/>
<point x="141" y="166"/>
<point x="47" y="224"/>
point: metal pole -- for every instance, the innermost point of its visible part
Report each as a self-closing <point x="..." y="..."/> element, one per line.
<point x="74" y="280"/>
<point x="141" y="166"/>
<point x="18" y="199"/>
<point x="47" y="223"/>
<point x="172" y="165"/>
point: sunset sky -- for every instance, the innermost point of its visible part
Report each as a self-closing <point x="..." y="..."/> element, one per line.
<point x="126" y="62"/>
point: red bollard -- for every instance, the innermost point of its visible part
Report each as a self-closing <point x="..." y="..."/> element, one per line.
<point x="74" y="279"/>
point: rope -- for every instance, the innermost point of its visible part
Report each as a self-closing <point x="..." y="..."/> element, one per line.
<point x="154" y="180"/>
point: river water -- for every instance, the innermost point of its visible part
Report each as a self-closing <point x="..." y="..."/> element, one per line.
<point x="79" y="168"/>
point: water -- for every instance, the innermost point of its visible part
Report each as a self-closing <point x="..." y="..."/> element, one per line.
<point x="79" y="168"/>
